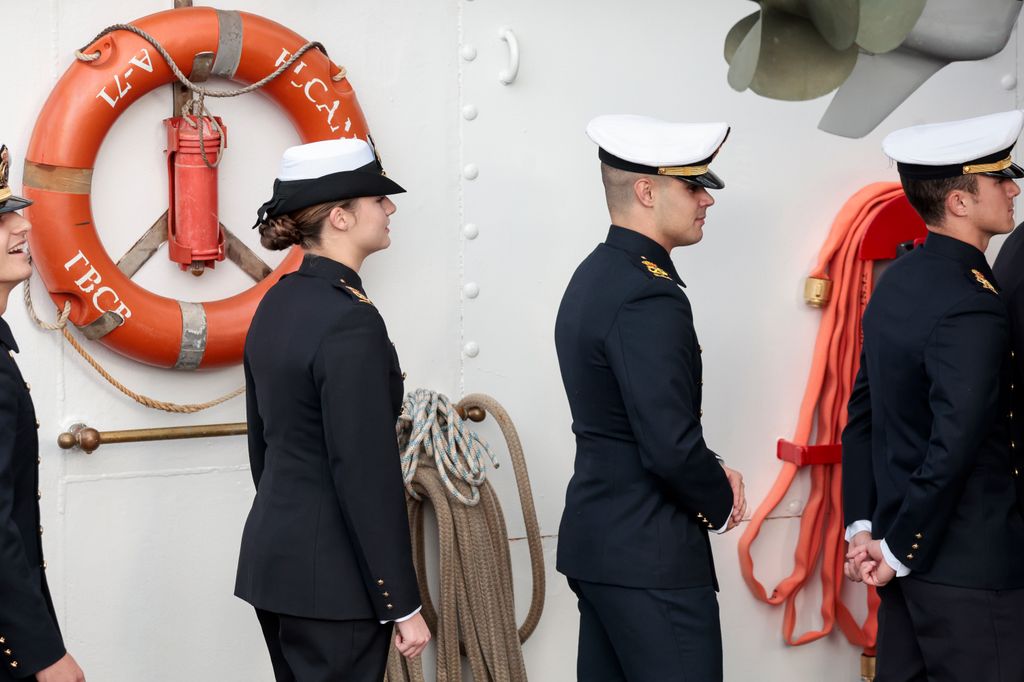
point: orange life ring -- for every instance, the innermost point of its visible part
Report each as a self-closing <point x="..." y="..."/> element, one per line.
<point x="78" y="114"/>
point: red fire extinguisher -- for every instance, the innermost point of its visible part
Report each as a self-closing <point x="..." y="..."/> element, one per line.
<point x="194" y="146"/>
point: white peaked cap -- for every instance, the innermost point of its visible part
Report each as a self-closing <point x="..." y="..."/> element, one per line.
<point x="317" y="159"/>
<point x="653" y="142"/>
<point x="642" y="144"/>
<point x="952" y="148"/>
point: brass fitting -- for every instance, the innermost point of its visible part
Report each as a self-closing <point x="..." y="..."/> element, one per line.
<point x="817" y="292"/>
<point x="867" y="668"/>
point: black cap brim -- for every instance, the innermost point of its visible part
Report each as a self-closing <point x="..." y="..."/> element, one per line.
<point x="294" y="195"/>
<point x="1012" y="171"/>
<point x="709" y="180"/>
<point x="14" y="204"/>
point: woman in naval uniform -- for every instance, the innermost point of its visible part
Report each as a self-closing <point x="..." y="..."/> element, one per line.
<point x="31" y="646"/>
<point x="326" y="558"/>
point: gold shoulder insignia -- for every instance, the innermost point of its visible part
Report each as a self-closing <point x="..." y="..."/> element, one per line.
<point x="358" y="294"/>
<point x="984" y="282"/>
<point x="654" y="269"/>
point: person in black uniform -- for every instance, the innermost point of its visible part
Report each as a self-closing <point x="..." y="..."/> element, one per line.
<point x="646" y="489"/>
<point x="928" y="475"/>
<point x="326" y="557"/>
<point x="31" y="646"/>
<point x="1009" y="272"/>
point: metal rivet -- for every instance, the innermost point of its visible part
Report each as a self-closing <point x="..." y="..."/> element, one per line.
<point x="471" y="171"/>
<point x="470" y="231"/>
<point x="471" y="349"/>
<point x="1009" y="81"/>
<point x="468" y="52"/>
<point x="470" y="112"/>
<point x="472" y="289"/>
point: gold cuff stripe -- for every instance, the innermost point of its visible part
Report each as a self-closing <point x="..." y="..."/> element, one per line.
<point x="989" y="167"/>
<point x="5" y="193"/>
<point x="685" y="171"/>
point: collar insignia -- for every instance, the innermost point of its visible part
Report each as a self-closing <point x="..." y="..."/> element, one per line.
<point x="358" y="294"/>
<point x="984" y="282"/>
<point x="654" y="269"/>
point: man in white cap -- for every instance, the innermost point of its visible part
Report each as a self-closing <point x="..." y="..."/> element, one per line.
<point x="928" y="456"/>
<point x="646" y="490"/>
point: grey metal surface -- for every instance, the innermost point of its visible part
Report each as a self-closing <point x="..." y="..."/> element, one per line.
<point x="229" y="45"/>
<point x="193" y="335"/>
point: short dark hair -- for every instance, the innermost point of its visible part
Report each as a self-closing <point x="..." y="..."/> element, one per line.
<point x="928" y="197"/>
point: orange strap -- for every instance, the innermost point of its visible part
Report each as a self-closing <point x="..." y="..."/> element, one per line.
<point x="823" y="416"/>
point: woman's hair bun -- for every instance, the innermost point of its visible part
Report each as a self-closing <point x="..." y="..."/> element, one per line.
<point x="280" y="233"/>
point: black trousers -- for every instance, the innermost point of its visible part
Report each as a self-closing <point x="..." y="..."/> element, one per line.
<point x="311" y="650"/>
<point x="638" y="635"/>
<point x="938" y="633"/>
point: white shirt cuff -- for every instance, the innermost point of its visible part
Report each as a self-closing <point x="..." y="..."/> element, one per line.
<point x="725" y="525"/>
<point x="857" y="527"/>
<point x="403" y="618"/>
<point x="893" y="562"/>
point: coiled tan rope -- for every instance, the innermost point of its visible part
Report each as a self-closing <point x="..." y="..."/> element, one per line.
<point x="61" y="325"/>
<point x="476" y="610"/>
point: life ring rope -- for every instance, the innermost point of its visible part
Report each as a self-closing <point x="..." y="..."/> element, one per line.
<point x="61" y="325"/>
<point x="83" y="56"/>
<point x="106" y="304"/>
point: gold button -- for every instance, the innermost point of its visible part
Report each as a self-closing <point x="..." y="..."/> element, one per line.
<point x="910" y="556"/>
<point x="3" y="640"/>
<point x="913" y="546"/>
<point x="11" y="353"/>
<point x="702" y="413"/>
<point x="14" y="664"/>
<point x="39" y="460"/>
<point x="1011" y="414"/>
<point x="380" y="583"/>
<point x="404" y="375"/>
<point x="701" y="382"/>
<point x="7" y="652"/>
<point x="390" y="607"/>
<point x="39" y="494"/>
<point x="700" y="349"/>
<point x="386" y="595"/>
<point x="43" y="565"/>
<point x="919" y="536"/>
<point x="699" y="515"/>
<point x="28" y="386"/>
<point x="1016" y="472"/>
<point x="37" y="423"/>
<point x="40" y="530"/>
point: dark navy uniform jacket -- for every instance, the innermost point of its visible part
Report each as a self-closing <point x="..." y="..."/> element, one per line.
<point x="30" y="639"/>
<point x="646" y="488"/>
<point x="1009" y="270"/>
<point x="328" y="534"/>
<point x="927" y="449"/>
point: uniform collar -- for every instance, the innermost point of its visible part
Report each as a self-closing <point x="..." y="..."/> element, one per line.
<point x="959" y="251"/>
<point x="641" y="245"/>
<point x="6" y="337"/>
<point x="322" y="266"/>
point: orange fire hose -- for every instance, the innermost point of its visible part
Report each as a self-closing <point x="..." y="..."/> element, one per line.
<point x="823" y="416"/>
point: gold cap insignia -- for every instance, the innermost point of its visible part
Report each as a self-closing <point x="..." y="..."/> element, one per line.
<point x="984" y="282"/>
<point x="5" y="191"/>
<point x="655" y="270"/>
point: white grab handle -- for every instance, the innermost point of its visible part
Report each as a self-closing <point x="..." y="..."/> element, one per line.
<point x="508" y="76"/>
